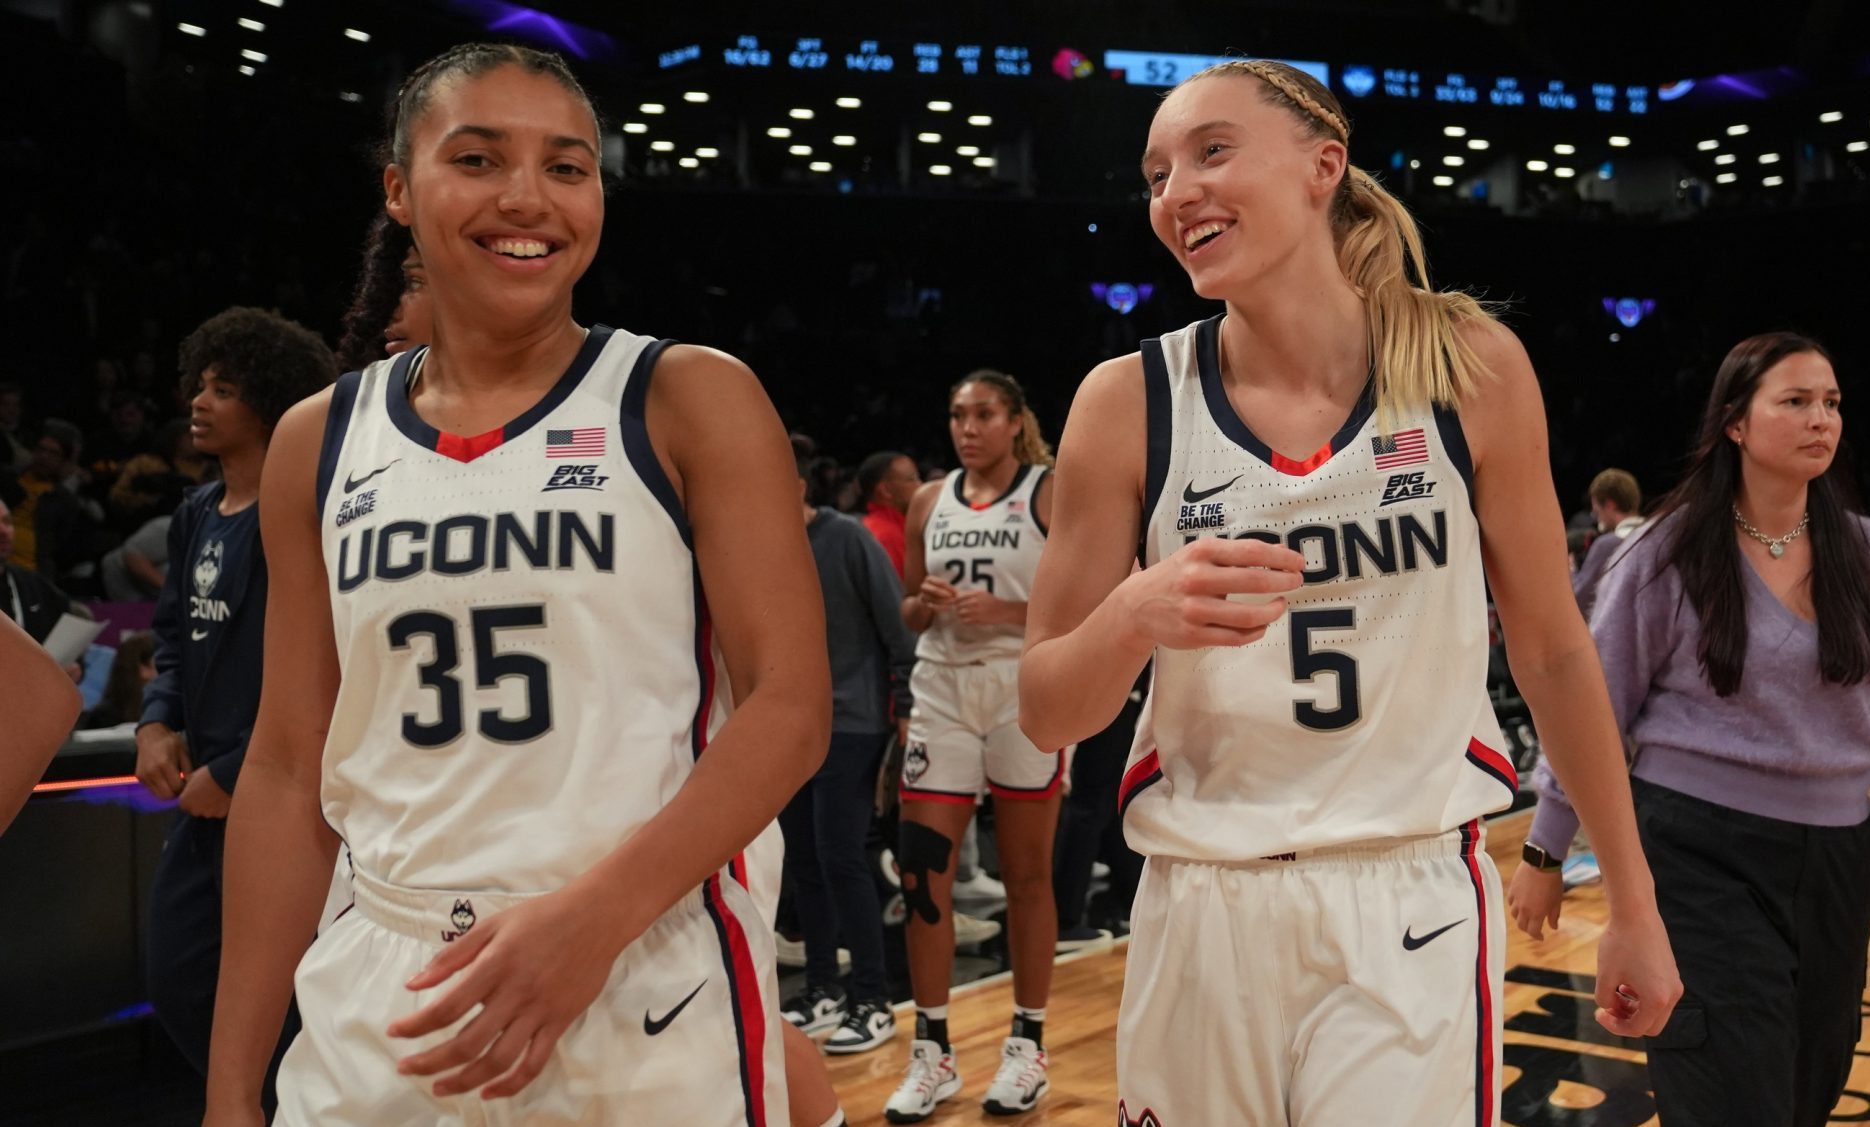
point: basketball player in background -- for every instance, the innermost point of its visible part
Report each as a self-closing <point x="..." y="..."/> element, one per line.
<point x="973" y="543"/>
<point x="383" y="321"/>
<point x="241" y="370"/>
<point x="1315" y="480"/>
<point x="519" y="571"/>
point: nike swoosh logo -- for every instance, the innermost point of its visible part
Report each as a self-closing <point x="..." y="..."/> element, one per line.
<point x="1191" y="495"/>
<point x="653" y="1026"/>
<point x="351" y="485"/>
<point x="1411" y="942"/>
<point x="197" y="635"/>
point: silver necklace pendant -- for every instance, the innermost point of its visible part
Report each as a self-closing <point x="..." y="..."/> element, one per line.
<point x="1776" y="548"/>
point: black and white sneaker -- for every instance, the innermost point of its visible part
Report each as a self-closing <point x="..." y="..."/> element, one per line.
<point x="868" y="1025"/>
<point x="815" y="1010"/>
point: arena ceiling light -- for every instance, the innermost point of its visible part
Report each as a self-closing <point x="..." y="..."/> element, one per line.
<point x="1619" y="142"/>
<point x="1454" y="161"/>
<point x="820" y="166"/>
<point x="1831" y="117"/>
<point x="689" y="162"/>
<point x="979" y="119"/>
<point x="800" y="150"/>
<point x="1478" y="144"/>
<point x="1773" y="181"/>
<point x="247" y="70"/>
<point x="1564" y="150"/>
<point x="1769" y="158"/>
<point x="967" y="150"/>
<point x="707" y="152"/>
<point x="662" y="146"/>
<point x="359" y="36"/>
<point x="1726" y="178"/>
<point x="1857" y="146"/>
<point x="653" y="108"/>
<point x="940" y="170"/>
<point x="635" y="127"/>
<point x="191" y="29"/>
<point x="250" y="25"/>
<point x="1736" y="131"/>
<point x="1707" y="146"/>
<point x="1725" y="158"/>
<point x="799" y="113"/>
<point x="696" y="96"/>
<point x="1454" y="130"/>
<point x="1564" y="173"/>
<point x="844" y="140"/>
<point x="778" y="131"/>
<point x="929" y="138"/>
<point x="850" y="103"/>
<point x="983" y="162"/>
<point x="1444" y="181"/>
<point x="350" y="96"/>
<point x="274" y="3"/>
<point x="1536" y="166"/>
<point x="253" y="56"/>
<point x="939" y="106"/>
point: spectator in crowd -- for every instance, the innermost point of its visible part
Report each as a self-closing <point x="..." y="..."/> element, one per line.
<point x="1617" y="508"/>
<point x="152" y="484"/>
<point x="91" y="407"/>
<point x="133" y="571"/>
<point x="15" y="441"/>
<point x="34" y="732"/>
<point x="1735" y="637"/>
<point x="886" y="483"/>
<point x="48" y="519"/>
<point x="30" y="599"/>
<point x="242" y="369"/>
<point x="131" y="670"/>
<point x="112" y="448"/>
<point x="871" y="653"/>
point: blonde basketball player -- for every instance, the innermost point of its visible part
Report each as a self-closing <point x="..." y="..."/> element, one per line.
<point x="973" y="542"/>
<point x="539" y="587"/>
<point x="1315" y="481"/>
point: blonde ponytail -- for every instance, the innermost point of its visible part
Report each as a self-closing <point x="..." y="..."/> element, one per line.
<point x="1418" y="354"/>
<point x="1030" y="446"/>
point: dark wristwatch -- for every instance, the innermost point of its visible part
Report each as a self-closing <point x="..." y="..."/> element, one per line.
<point x="1539" y="859"/>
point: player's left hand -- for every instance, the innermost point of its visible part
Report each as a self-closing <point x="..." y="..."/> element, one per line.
<point x="203" y="797"/>
<point x="1637" y="983"/>
<point x="527" y="1002"/>
<point x="977" y="608"/>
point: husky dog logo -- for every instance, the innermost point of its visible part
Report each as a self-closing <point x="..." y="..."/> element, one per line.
<point x="915" y="762"/>
<point x="463" y="919"/>
<point x="208" y="567"/>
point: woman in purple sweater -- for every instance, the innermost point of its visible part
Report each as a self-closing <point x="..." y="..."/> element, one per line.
<point x="1735" y="635"/>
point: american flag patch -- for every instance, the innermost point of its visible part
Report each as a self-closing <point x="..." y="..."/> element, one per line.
<point x="581" y="442"/>
<point x="1404" y="449"/>
<point x="1016" y="506"/>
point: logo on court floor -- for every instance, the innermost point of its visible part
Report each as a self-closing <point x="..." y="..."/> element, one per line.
<point x="915" y="763"/>
<point x="463" y="919"/>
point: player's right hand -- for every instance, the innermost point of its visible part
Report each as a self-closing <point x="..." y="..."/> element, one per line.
<point x="936" y="594"/>
<point x="1182" y="603"/>
<point x="1533" y="900"/>
<point x="161" y="760"/>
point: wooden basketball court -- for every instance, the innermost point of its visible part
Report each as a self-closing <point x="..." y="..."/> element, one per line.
<point x="1561" y="1067"/>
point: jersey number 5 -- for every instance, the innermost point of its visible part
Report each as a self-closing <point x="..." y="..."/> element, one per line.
<point x="489" y="667"/>
<point x="1307" y="663"/>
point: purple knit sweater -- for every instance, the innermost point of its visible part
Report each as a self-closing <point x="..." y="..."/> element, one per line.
<point x="1788" y="745"/>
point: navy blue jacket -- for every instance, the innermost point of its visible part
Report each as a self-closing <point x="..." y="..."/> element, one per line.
<point x="209" y="622"/>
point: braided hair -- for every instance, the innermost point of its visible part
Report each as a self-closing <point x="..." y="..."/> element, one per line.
<point x="379" y="289"/>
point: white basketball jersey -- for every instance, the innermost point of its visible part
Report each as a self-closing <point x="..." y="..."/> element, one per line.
<point x="995" y="546"/>
<point x="528" y="672"/>
<point x="1363" y="712"/>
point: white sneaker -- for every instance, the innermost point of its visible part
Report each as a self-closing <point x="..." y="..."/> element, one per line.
<point x="969" y="930"/>
<point x="886" y="862"/>
<point x="979" y="887"/>
<point x="1020" y="1081"/>
<point x="814" y="1010"/>
<point x="930" y="1079"/>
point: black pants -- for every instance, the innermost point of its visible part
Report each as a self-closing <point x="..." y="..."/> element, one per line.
<point x="825" y="825"/>
<point x="1769" y="921"/>
<point x="1088" y="811"/>
<point x="185" y="940"/>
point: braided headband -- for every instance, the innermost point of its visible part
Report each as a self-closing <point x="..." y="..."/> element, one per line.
<point x="1278" y="81"/>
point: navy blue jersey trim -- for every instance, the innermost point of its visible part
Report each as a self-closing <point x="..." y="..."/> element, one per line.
<point x="1037" y="520"/>
<point x="1494" y="771"/>
<point x="405" y="419"/>
<point x="636" y="444"/>
<point x="967" y="794"/>
<point x="1057" y="770"/>
<point x="1159" y="416"/>
<point x="337" y="422"/>
<point x="709" y="892"/>
<point x="1207" y="359"/>
<point x="960" y="492"/>
<point x="1454" y="441"/>
<point x="1143" y="784"/>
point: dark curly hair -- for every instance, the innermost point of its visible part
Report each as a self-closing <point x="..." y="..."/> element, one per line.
<point x="379" y="287"/>
<point x="275" y="362"/>
<point x="471" y="59"/>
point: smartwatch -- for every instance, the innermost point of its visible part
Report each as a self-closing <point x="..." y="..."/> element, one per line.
<point x="1539" y="859"/>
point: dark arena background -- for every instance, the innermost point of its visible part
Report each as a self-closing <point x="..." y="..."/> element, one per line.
<point x="865" y="202"/>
